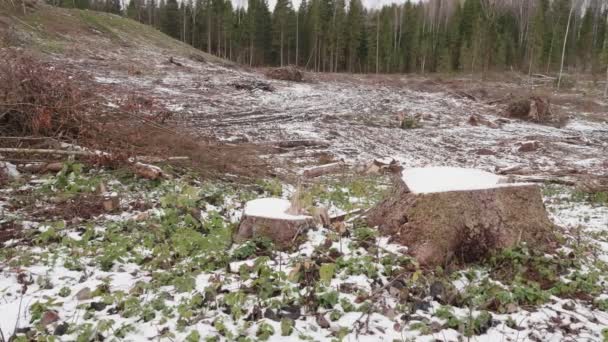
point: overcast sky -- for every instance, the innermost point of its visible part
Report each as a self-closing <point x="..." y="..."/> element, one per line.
<point x="296" y="3"/>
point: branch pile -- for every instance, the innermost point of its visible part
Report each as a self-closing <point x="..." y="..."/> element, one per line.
<point x="38" y="99"/>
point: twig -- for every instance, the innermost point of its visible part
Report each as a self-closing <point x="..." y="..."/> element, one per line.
<point x="45" y="151"/>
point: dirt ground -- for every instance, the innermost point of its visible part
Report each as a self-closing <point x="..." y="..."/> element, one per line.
<point x="355" y="117"/>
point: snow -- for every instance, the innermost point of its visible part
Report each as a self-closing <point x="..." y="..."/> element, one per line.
<point x="10" y="170"/>
<point x="272" y="208"/>
<point x="441" y="179"/>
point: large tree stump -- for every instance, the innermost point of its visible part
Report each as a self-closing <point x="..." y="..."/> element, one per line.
<point x="461" y="215"/>
<point x="270" y="217"/>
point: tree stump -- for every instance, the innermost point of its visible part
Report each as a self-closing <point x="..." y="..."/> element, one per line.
<point x="288" y="73"/>
<point x="449" y="215"/>
<point x="270" y="218"/>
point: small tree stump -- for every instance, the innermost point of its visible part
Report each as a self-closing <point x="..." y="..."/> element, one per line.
<point x="463" y="222"/>
<point x="269" y="217"/>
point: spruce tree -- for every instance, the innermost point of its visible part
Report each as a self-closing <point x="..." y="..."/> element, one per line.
<point x="170" y="19"/>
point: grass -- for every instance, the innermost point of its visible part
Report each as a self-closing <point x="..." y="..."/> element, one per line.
<point x="54" y="30"/>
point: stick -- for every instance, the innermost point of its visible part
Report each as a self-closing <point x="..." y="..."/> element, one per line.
<point x="46" y="151"/>
<point x="541" y="179"/>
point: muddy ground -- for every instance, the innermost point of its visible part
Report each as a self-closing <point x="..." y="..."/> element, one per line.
<point x="355" y="117"/>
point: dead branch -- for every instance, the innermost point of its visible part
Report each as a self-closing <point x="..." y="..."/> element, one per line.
<point x="173" y="61"/>
<point x="46" y="151"/>
<point x="543" y="179"/>
<point x="297" y="143"/>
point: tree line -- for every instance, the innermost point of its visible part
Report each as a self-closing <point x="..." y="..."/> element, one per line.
<point x="531" y="36"/>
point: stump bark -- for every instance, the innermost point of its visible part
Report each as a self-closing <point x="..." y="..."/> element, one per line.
<point x="269" y="217"/>
<point x="465" y="225"/>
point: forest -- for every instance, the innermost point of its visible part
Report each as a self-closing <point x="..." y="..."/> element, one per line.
<point x="535" y="36"/>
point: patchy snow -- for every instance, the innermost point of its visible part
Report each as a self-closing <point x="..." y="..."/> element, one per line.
<point x="272" y="208"/>
<point x="9" y="169"/>
<point x="441" y="179"/>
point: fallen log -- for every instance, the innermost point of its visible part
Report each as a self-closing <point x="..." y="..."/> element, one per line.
<point x="342" y="217"/>
<point x="452" y="215"/>
<point x="322" y="170"/>
<point x="543" y="179"/>
<point x="46" y="151"/>
<point x="298" y="143"/>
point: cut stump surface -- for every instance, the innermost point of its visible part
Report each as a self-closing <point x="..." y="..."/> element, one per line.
<point x="269" y="217"/>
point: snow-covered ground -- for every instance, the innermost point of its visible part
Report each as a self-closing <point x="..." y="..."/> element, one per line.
<point x="354" y="117"/>
<point x="152" y="270"/>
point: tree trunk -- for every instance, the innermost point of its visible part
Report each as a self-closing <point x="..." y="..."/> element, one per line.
<point x="297" y="39"/>
<point x="561" y="69"/>
<point x="209" y="30"/>
<point x="606" y="49"/>
<point x="282" y="35"/>
<point x="377" y="43"/>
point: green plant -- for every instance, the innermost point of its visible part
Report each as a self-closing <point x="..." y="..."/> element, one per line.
<point x="65" y="291"/>
<point x="193" y="336"/>
<point x="235" y="302"/>
<point x="410" y="122"/>
<point x="328" y="300"/>
<point x="422" y="327"/>
<point x="286" y="326"/>
<point x="39" y="308"/>
<point x="258" y="246"/>
<point x="326" y="273"/>
<point x="264" y="331"/>
<point x="273" y="187"/>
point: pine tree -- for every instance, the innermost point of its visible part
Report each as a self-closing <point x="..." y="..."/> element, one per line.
<point x="171" y="19"/>
<point x="356" y="52"/>
<point x="280" y="20"/>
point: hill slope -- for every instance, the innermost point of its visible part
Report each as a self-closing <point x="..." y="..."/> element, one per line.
<point x="82" y="33"/>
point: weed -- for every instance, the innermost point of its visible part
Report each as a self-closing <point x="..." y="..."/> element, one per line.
<point x="286" y="326"/>
<point x="264" y="331"/>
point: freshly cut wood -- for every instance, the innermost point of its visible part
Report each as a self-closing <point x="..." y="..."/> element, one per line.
<point x="382" y="166"/>
<point x="111" y="202"/>
<point x="447" y="215"/>
<point x="269" y="217"/>
<point x="8" y="171"/>
<point x="324" y="170"/>
<point x="42" y="167"/>
<point x="148" y="171"/>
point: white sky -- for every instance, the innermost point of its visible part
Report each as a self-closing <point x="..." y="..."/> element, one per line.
<point x="296" y="3"/>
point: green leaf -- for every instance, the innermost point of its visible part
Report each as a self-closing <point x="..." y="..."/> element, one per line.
<point x="286" y="327"/>
<point x="326" y="272"/>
